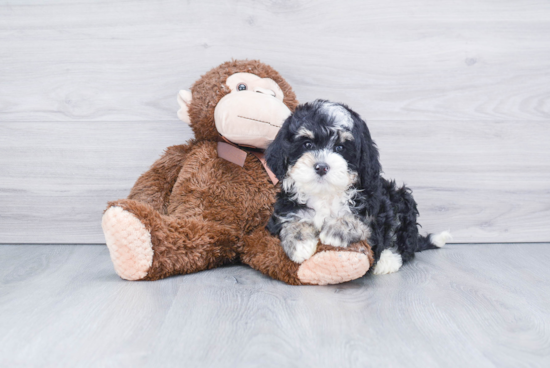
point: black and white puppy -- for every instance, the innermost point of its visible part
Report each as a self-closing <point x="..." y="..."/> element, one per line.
<point x="332" y="190"/>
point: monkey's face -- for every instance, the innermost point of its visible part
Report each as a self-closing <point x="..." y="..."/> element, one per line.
<point x="253" y="112"/>
<point x="246" y="101"/>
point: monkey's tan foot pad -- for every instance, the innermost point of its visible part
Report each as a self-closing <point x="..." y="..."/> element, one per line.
<point x="330" y="267"/>
<point x="129" y="243"/>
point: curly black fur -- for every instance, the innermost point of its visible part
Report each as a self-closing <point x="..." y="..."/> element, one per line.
<point x="390" y="211"/>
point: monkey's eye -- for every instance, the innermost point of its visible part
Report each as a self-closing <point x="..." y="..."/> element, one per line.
<point x="241" y="87"/>
<point x="339" y="148"/>
<point x="308" y="145"/>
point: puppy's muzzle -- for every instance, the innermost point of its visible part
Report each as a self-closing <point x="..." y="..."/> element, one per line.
<point x="321" y="168"/>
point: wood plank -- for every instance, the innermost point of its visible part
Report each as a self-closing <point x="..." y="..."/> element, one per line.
<point x="396" y="60"/>
<point x="461" y="306"/>
<point x="485" y="181"/>
<point x="58" y="177"/>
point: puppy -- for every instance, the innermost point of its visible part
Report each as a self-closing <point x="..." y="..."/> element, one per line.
<point x="332" y="190"/>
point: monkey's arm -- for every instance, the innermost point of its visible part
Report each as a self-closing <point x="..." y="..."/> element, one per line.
<point x="155" y="185"/>
<point x="263" y="252"/>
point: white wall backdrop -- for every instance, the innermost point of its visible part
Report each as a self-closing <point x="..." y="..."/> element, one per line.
<point x="456" y="94"/>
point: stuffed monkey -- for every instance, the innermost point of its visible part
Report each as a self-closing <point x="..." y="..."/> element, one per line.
<point x="206" y="203"/>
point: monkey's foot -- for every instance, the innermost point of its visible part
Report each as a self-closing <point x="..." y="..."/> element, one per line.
<point x="129" y="243"/>
<point x="334" y="267"/>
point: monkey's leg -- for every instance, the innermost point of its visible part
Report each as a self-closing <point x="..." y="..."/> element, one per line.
<point x="263" y="252"/>
<point x="145" y="245"/>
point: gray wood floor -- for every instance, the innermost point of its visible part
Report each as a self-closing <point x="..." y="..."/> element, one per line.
<point x="457" y="96"/>
<point x="462" y="306"/>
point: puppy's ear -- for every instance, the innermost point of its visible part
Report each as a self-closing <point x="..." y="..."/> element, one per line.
<point x="274" y="225"/>
<point x="276" y="154"/>
<point x="369" y="162"/>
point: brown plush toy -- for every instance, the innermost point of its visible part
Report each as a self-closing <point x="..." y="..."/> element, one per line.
<point x="206" y="203"/>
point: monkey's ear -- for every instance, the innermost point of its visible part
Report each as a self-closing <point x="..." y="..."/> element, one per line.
<point x="184" y="100"/>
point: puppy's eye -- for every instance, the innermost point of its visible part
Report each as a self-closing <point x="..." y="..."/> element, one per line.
<point x="308" y="145"/>
<point x="241" y="87"/>
<point x="339" y="148"/>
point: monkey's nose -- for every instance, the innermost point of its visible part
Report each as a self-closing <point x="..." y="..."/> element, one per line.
<point x="265" y="91"/>
<point x="321" y="168"/>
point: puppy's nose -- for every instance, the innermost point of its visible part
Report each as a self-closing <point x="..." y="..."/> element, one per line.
<point x="321" y="168"/>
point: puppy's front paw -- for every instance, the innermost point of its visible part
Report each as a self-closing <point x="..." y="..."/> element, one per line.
<point x="333" y="236"/>
<point x="343" y="231"/>
<point x="299" y="240"/>
<point x="303" y="250"/>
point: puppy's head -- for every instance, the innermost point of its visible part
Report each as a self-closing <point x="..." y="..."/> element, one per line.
<point x="323" y="148"/>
